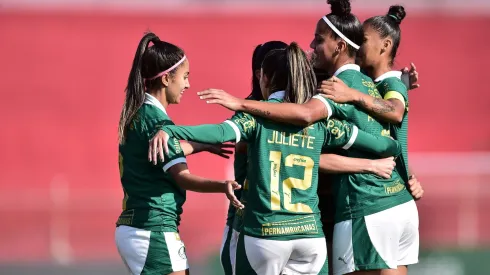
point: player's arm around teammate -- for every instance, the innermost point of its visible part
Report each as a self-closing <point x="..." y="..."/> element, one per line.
<point x="227" y="131"/>
<point x="147" y="230"/>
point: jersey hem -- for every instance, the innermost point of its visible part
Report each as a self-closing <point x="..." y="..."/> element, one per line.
<point x="155" y="228"/>
<point x="362" y="212"/>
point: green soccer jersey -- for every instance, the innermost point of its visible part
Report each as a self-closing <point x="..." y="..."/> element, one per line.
<point x="152" y="199"/>
<point x="360" y="195"/>
<point x="391" y="86"/>
<point x="281" y="199"/>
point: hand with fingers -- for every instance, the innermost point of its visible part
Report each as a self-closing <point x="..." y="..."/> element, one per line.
<point x="158" y="145"/>
<point x="383" y="167"/>
<point x="415" y="188"/>
<point x="222" y="150"/>
<point x="413" y="76"/>
<point x="335" y="89"/>
<point x="230" y="187"/>
<point x="215" y="96"/>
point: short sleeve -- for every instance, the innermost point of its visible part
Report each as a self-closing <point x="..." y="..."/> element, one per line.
<point x="175" y="154"/>
<point x="395" y="88"/>
<point x="337" y="110"/>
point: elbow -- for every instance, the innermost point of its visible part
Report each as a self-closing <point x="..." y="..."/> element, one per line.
<point x="306" y="118"/>
<point x="397" y="118"/>
<point x="394" y="118"/>
<point x="181" y="181"/>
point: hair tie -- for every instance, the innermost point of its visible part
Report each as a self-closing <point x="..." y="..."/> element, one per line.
<point x="394" y="17"/>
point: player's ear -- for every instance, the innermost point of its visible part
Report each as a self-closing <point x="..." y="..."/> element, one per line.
<point x="264" y="79"/>
<point x="387" y="44"/>
<point x="341" y="45"/>
<point x="165" y="80"/>
<point x="257" y="74"/>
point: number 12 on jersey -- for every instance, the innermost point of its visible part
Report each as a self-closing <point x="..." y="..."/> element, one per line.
<point x="275" y="157"/>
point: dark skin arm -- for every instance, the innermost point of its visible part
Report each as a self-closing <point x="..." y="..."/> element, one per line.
<point x="241" y="148"/>
<point x="391" y="110"/>
<point x="191" y="182"/>
<point x="222" y="150"/>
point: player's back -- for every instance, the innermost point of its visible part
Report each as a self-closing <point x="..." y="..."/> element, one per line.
<point x="282" y="201"/>
<point x="152" y="199"/>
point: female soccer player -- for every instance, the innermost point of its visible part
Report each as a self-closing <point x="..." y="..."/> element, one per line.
<point x="282" y="228"/>
<point x="234" y="221"/>
<point x="147" y="230"/>
<point x="382" y="37"/>
<point x="362" y="200"/>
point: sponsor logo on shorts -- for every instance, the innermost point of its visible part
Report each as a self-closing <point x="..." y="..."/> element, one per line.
<point x="182" y="252"/>
<point x="342" y="259"/>
<point x="177" y="236"/>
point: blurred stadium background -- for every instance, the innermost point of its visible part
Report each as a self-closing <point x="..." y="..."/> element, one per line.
<point x="64" y="65"/>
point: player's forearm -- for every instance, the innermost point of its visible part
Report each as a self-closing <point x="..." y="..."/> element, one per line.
<point x="297" y="114"/>
<point x="381" y="146"/>
<point x="195" y="183"/>
<point x="208" y="133"/>
<point x="189" y="147"/>
<point x="336" y="164"/>
<point x="379" y="108"/>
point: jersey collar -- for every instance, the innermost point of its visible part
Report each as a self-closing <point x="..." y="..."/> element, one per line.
<point x="347" y="67"/>
<point x="278" y="95"/>
<point x="397" y="74"/>
<point x="151" y="100"/>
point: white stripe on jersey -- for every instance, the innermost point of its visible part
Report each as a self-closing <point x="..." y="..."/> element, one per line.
<point x="352" y="139"/>
<point x="235" y="128"/>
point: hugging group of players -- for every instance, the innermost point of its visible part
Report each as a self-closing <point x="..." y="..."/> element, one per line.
<point x="340" y="115"/>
